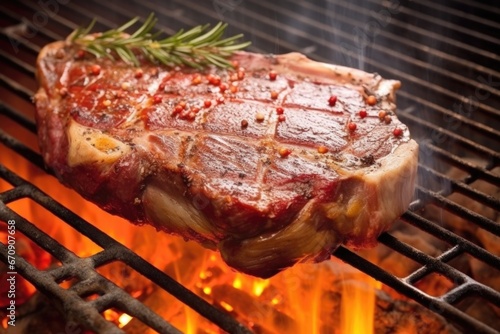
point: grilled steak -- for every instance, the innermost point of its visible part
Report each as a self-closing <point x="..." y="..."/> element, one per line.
<point x="276" y="161"/>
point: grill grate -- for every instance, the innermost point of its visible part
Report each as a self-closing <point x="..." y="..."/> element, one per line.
<point x="450" y="101"/>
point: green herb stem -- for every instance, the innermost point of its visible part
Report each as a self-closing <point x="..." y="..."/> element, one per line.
<point x="196" y="47"/>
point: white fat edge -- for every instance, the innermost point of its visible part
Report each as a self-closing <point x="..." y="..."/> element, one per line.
<point x="63" y="80"/>
<point x="92" y="146"/>
<point x="168" y="208"/>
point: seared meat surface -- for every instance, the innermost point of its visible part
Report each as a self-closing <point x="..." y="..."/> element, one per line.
<point x="278" y="160"/>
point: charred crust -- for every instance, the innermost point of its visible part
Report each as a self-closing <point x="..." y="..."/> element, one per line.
<point x="367" y="160"/>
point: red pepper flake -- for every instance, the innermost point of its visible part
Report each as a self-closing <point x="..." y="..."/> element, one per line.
<point x="382" y="114"/>
<point x="191" y="116"/>
<point x="241" y="75"/>
<point x="207" y="103"/>
<point x="371" y="100"/>
<point x="95" y="69"/>
<point x="233" y="89"/>
<point x="222" y="87"/>
<point x="280" y="110"/>
<point x="138" y="74"/>
<point x="244" y="124"/>
<point x="362" y="113"/>
<point x="274" y="95"/>
<point x="196" y="80"/>
<point x="161" y="86"/>
<point x="80" y="54"/>
<point x="387" y="119"/>
<point x="322" y="149"/>
<point x="272" y="75"/>
<point x="177" y="109"/>
<point x="332" y="100"/>
<point x="213" y="79"/>
<point x="352" y="126"/>
<point x="284" y="152"/>
<point x="182" y="104"/>
<point x="220" y="100"/>
<point x="195" y="110"/>
<point x="157" y="99"/>
<point x="397" y="132"/>
<point x="281" y="118"/>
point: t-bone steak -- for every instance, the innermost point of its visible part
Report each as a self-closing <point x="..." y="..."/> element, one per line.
<point x="276" y="161"/>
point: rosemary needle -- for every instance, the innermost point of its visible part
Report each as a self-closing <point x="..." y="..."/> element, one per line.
<point x="196" y="47"/>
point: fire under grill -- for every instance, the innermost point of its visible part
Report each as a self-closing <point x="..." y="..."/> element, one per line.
<point x="446" y="56"/>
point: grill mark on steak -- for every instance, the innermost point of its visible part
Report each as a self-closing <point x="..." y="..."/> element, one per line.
<point x="264" y="194"/>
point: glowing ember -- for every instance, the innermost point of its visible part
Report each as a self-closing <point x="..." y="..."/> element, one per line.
<point x="259" y="286"/>
<point x="123" y="320"/>
<point x="226" y="306"/>
<point x="237" y="283"/>
<point x="111" y="315"/>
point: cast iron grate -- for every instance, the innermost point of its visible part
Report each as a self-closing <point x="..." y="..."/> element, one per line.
<point x="295" y="31"/>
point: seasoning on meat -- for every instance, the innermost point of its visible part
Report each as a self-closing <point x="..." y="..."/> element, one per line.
<point x="289" y="155"/>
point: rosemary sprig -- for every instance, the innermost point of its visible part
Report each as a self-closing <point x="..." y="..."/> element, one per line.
<point x="196" y="47"/>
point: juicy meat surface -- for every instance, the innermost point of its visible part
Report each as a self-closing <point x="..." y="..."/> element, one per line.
<point x="278" y="160"/>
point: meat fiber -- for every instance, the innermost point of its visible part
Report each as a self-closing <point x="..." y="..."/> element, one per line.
<point x="276" y="161"/>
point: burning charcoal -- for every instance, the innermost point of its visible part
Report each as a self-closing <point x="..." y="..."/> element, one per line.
<point x="251" y="311"/>
<point x="31" y="253"/>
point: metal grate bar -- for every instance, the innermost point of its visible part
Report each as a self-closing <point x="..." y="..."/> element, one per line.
<point x="436" y="7"/>
<point x="425" y="270"/>
<point x="19" y="64"/>
<point x="459" y="187"/>
<point x="435" y="304"/>
<point x="85" y="271"/>
<point x="439" y="22"/>
<point x="17" y="117"/>
<point x="45" y="284"/>
<point x="450" y="238"/>
<point x="487" y="7"/>
<point x="409" y="44"/>
<point x="432" y="197"/>
<point x="413" y="45"/>
<point x="444" y="133"/>
<point x="26" y="23"/>
<point x="16" y="87"/>
<point x="21" y="149"/>
<point x="476" y="172"/>
<point x="122" y="253"/>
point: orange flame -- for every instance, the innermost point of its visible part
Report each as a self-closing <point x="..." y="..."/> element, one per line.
<point x="358" y="304"/>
